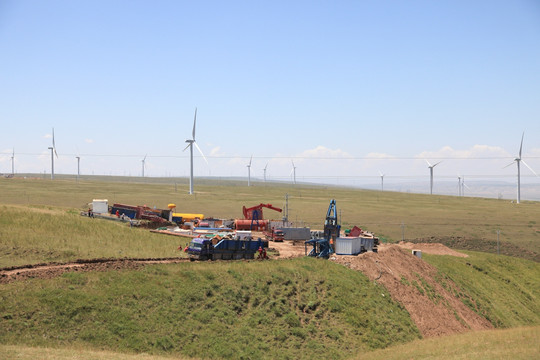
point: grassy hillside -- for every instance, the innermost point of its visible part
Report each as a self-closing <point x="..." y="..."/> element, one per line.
<point x="517" y="344"/>
<point x="504" y="290"/>
<point x="37" y="234"/>
<point x="303" y="308"/>
<point x="423" y="216"/>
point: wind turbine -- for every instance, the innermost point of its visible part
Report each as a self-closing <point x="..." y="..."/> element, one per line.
<point x="78" y="166"/>
<point x="518" y="160"/>
<point x="431" y="175"/>
<point x="249" y="170"/>
<point x="459" y="185"/>
<point x="192" y="142"/>
<point x="265" y="172"/>
<point x="463" y="186"/>
<point x="293" y="171"/>
<point x="13" y="162"/>
<point x="382" y="181"/>
<point x="53" y="150"/>
<point x="143" y="162"/>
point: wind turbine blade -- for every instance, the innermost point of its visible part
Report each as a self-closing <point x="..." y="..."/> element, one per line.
<point x="145" y="157"/>
<point x="53" y="144"/>
<point x="466" y="186"/>
<point x="251" y="158"/>
<point x="529" y="168"/>
<point x="194" y="122"/>
<point x="428" y="163"/>
<point x="266" y="166"/>
<point x="437" y="163"/>
<point x="293" y="164"/>
<point x="521" y="146"/>
<point x="188" y="145"/>
<point x="512" y="163"/>
<point x="198" y="148"/>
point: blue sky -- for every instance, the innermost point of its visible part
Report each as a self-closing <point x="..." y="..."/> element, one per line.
<point x="343" y="88"/>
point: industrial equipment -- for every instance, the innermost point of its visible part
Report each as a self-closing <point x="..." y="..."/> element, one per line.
<point x="324" y="247"/>
<point x="256" y="213"/>
<point x="276" y="235"/>
<point x="226" y="249"/>
<point x="254" y="217"/>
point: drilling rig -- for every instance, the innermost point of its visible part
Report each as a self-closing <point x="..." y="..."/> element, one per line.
<point x="323" y="248"/>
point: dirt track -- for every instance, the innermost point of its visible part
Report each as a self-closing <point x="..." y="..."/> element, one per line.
<point x="50" y="270"/>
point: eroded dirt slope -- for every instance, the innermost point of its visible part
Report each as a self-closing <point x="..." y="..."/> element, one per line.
<point x="419" y="288"/>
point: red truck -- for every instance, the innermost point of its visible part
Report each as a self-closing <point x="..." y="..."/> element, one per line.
<point x="275" y="235"/>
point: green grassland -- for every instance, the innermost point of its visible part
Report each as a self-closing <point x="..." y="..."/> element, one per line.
<point x="423" y="216"/>
<point x="517" y="344"/>
<point x="303" y="308"/>
<point x="36" y="234"/>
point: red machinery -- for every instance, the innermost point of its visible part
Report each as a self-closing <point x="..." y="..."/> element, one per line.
<point x="255" y="212"/>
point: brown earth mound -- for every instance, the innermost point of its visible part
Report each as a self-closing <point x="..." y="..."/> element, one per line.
<point x="431" y="248"/>
<point x="418" y="287"/>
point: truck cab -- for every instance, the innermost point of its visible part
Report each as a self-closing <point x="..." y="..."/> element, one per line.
<point x="278" y="235"/>
<point x="200" y="249"/>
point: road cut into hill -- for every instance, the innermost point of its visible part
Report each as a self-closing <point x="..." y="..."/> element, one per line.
<point x="420" y="288"/>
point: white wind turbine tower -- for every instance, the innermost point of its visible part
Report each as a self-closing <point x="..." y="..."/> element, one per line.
<point x="265" y="172"/>
<point x="293" y="172"/>
<point x="518" y="160"/>
<point x="13" y="162"/>
<point x="382" y="181"/>
<point x="459" y="185"/>
<point x="53" y="152"/>
<point x="249" y="170"/>
<point x="78" y="166"/>
<point x="431" y="175"/>
<point x="143" y="164"/>
<point x="192" y="142"/>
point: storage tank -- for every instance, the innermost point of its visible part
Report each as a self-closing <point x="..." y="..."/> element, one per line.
<point x="258" y="225"/>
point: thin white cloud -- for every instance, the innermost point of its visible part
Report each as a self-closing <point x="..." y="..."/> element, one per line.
<point x="89" y="141"/>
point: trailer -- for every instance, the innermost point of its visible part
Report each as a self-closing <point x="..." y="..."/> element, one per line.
<point x="226" y="249"/>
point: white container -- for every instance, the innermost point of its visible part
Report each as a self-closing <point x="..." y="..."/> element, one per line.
<point x="100" y="206"/>
<point x="348" y="245"/>
<point x="243" y="234"/>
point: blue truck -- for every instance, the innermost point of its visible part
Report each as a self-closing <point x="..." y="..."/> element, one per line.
<point x="226" y="249"/>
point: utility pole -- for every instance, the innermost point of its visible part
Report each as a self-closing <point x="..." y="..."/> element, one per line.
<point x="286" y="217"/>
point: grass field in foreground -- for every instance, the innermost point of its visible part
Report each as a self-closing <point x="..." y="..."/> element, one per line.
<point x="422" y="216"/>
<point x="516" y="344"/>
<point x="301" y="308"/>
